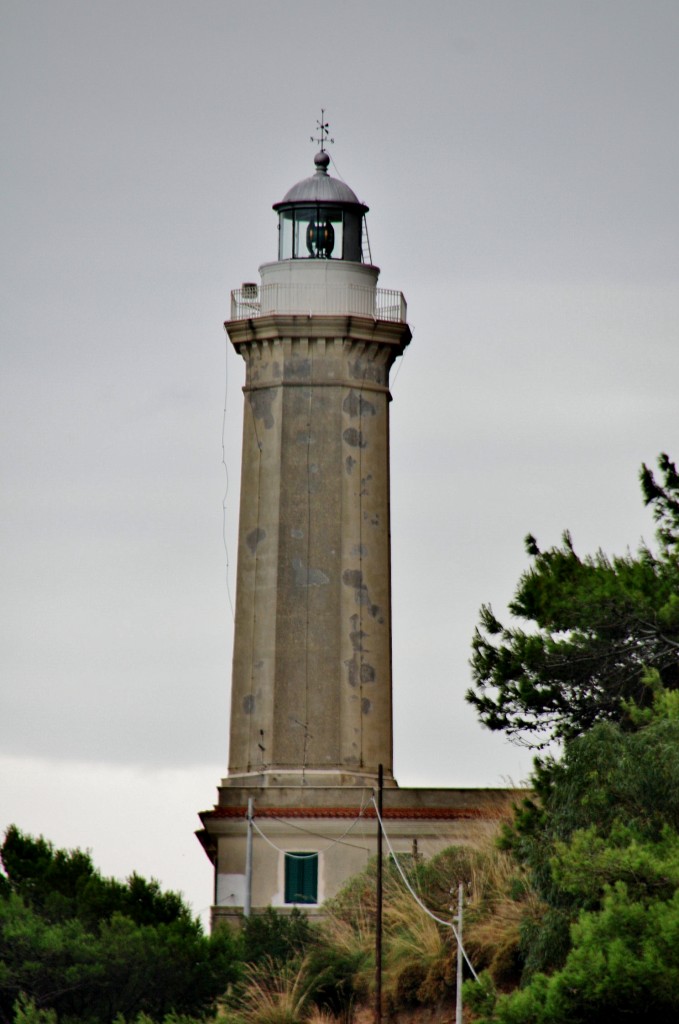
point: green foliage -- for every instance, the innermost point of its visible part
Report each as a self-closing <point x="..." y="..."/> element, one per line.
<point x="343" y="967"/>
<point x="606" y="777"/>
<point x="595" y="627"/>
<point x="664" y="499"/>
<point x="598" y="667"/>
<point x="607" y="811"/>
<point x="587" y="865"/>
<point x="26" y="1012"/>
<point x="280" y="937"/>
<point x="296" y="970"/>
<point x="142" y="953"/>
<point x="624" y="965"/>
<point x="409" y="984"/>
<point x="49" y="963"/>
<point x="663" y="703"/>
<point x="545" y="941"/>
<point x="602" y="845"/>
<point x="480" y="996"/>
<point x="64" y="884"/>
<point x="169" y="1018"/>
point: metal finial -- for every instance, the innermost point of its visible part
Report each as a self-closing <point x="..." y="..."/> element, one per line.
<point x="323" y="127"/>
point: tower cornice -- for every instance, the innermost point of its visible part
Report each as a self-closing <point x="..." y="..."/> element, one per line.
<point x="329" y="326"/>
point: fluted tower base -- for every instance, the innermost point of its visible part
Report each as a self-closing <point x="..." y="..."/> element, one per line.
<point x="311" y="687"/>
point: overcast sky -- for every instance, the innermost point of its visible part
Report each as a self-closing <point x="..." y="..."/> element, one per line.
<point x="520" y="160"/>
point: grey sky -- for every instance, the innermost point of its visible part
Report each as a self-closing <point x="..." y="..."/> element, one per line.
<point x="520" y="160"/>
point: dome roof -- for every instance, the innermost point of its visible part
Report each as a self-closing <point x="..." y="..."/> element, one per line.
<point x="321" y="188"/>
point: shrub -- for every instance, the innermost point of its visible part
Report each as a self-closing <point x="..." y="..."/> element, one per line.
<point x="280" y="937"/>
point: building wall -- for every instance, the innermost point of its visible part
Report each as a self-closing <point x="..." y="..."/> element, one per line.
<point x="344" y="844"/>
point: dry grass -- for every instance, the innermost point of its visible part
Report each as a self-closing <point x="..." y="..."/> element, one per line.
<point x="410" y="931"/>
<point x="273" y="994"/>
<point x="498" y="898"/>
<point x="353" y="948"/>
<point x="419" y="955"/>
<point x="321" y="1017"/>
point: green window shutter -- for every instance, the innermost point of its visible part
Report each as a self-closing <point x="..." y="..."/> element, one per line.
<point x="301" y="877"/>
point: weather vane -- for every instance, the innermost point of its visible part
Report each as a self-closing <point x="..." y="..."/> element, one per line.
<point x="323" y="127"/>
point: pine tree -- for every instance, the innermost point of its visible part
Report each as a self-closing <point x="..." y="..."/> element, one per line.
<point x="594" y="628"/>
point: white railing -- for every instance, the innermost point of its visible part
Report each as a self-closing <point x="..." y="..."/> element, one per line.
<point x="379" y="303"/>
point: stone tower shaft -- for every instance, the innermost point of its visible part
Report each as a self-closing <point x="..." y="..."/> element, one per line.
<point x="311" y="688"/>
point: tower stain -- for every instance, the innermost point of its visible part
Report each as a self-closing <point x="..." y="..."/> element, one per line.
<point x="354" y="578"/>
<point x="359" y="671"/>
<point x="261" y="402"/>
<point x="357" y="405"/>
<point x="254" y="538"/>
<point x="354" y="438"/>
<point x="308" y="577"/>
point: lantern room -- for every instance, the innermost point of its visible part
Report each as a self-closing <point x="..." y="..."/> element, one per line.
<point x="320" y="218"/>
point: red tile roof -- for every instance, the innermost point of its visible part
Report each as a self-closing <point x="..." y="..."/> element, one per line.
<point x="388" y="814"/>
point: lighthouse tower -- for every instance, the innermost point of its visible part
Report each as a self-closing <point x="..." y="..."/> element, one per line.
<point x="311" y="698"/>
<point x="311" y="687"/>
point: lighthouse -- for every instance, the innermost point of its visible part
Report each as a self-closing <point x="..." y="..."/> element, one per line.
<point x="311" y="686"/>
<point x="311" y="690"/>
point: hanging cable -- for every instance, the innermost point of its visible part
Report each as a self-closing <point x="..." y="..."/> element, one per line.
<point x="439" y="920"/>
<point x="261" y="765"/>
<point x="317" y="835"/>
<point x="337" y="170"/>
<point x="307" y="590"/>
<point x="398" y="369"/>
<point x="279" y="849"/>
<point x="361" y="811"/>
<point x="226" y="475"/>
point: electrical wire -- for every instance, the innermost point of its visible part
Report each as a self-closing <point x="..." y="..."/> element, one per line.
<point x="251" y="718"/>
<point x="226" y="475"/>
<point x="398" y="369"/>
<point x="303" y="856"/>
<point x="439" y="920"/>
<point x="317" y="835"/>
<point x="337" y="170"/>
<point x="307" y="591"/>
<point x="342" y="178"/>
<point x="361" y="811"/>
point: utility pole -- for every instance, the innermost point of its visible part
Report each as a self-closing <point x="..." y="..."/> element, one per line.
<point x="378" y="906"/>
<point x="458" y="993"/>
<point x="247" y="905"/>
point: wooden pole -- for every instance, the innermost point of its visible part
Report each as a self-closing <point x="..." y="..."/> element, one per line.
<point x="378" y="907"/>
<point x="247" y="907"/>
<point x="458" y="994"/>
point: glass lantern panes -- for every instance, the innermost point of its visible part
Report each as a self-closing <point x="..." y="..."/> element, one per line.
<point x="311" y="232"/>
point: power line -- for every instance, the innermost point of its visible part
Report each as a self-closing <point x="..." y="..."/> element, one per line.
<point x="226" y="474"/>
<point x="317" y="835"/>
<point x="439" y="920"/>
